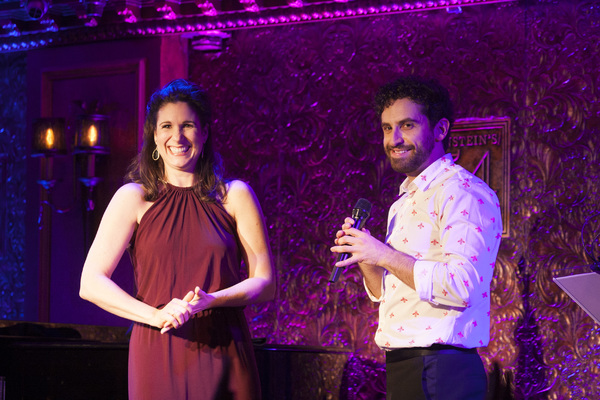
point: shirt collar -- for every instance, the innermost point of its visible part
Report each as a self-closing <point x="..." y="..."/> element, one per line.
<point x="425" y="178"/>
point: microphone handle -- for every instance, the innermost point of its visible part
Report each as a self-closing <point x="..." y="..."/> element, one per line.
<point x="337" y="271"/>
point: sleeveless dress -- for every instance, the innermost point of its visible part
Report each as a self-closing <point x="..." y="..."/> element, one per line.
<point x="182" y="242"/>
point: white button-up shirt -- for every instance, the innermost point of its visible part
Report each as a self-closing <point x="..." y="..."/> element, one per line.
<point x="450" y="221"/>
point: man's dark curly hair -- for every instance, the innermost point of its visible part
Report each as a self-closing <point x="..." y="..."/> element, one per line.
<point x="429" y="93"/>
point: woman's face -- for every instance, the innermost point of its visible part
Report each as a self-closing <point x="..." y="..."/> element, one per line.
<point x="179" y="137"/>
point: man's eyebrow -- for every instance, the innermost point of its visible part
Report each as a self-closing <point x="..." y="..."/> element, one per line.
<point x="401" y="122"/>
<point x="405" y="120"/>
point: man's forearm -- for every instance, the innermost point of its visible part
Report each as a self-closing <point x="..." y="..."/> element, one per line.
<point x="373" y="275"/>
<point x="400" y="265"/>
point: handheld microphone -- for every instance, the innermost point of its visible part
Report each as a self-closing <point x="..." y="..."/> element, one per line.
<point x="360" y="214"/>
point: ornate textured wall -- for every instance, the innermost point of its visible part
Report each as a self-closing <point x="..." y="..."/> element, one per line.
<point x="12" y="185"/>
<point x="294" y="119"/>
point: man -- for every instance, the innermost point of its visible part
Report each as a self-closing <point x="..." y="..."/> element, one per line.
<point x="432" y="275"/>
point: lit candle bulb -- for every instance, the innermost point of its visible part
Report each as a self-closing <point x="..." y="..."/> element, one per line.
<point x="92" y="136"/>
<point x="49" y="138"/>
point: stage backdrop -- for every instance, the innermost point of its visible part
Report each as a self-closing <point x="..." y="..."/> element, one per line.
<point x="294" y="119"/>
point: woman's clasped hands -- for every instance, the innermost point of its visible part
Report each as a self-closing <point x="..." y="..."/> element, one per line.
<point x="178" y="311"/>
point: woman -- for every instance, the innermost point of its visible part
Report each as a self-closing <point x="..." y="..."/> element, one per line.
<point x="188" y="230"/>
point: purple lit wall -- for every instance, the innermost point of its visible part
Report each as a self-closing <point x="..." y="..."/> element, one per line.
<point x="294" y="119"/>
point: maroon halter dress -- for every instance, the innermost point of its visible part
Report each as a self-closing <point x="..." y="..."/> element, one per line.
<point x="180" y="243"/>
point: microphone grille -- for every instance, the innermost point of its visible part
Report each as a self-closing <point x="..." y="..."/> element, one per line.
<point x="364" y="205"/>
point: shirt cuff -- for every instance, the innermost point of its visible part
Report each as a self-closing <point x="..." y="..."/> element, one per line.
<point x="373" y="298"/>
<point x="423" y="277"/>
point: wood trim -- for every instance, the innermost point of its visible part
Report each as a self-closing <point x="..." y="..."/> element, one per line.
<point x="48" y="79"/>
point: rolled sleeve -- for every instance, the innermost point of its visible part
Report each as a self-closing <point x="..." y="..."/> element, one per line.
<point x="423" y="277"/>
<point x="371" y="296"/>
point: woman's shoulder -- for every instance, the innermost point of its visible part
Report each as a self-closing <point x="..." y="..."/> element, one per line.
<point x="131" y="191"/>
<point x="239" y="192"/>
<point x="129" y="198"/>
<point x="239" y="197"/>
<point x="129" y="195"/>
<point x="236" y="186"/>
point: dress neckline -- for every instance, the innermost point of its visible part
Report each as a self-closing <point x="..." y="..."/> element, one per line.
<point x="170" y="186"/>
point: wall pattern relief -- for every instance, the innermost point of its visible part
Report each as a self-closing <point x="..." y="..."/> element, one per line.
<point x="13" y="152"/>
<point x="293" y="118"/>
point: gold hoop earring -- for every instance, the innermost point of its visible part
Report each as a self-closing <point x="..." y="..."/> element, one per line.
<point x="155" y="154"/>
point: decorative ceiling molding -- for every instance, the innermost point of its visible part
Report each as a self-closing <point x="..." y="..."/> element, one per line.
<point x="29" y="24"/>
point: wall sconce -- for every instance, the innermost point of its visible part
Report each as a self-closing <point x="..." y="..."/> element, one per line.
<point x="48" y="141"/>
<point x="91" y="139"/>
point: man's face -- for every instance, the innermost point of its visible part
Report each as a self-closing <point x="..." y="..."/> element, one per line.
<point x="408" y="140"/>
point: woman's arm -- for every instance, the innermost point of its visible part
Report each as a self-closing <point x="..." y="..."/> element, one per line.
<point x="243" y="206"/>
<point x="114" y="234"/>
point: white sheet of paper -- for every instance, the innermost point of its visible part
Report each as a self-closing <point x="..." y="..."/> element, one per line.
<point x="584" y="289"/>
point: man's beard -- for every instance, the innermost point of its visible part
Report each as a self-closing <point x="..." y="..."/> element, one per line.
<point x="415" y="161"/>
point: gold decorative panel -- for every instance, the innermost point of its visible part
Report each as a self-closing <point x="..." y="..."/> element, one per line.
<point x="482" y="146"/>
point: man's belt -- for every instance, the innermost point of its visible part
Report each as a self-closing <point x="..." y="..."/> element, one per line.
<point x="397" y="355"/>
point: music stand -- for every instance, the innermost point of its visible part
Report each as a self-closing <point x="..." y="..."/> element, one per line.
<point x="583" y="289"/>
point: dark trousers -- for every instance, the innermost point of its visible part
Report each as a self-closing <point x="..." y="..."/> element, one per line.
<point x="438" y="373"/>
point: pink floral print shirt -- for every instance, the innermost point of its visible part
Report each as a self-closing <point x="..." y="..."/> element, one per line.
<point x="450" y="221"/>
